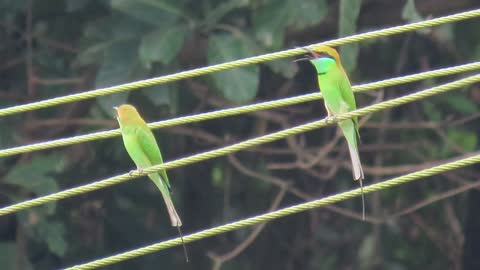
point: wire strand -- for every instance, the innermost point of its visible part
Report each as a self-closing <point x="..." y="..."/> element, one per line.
<point x="277" y="214"/>
<point x="234" y="64"/>
<point x="237" y="110"/>
<point x="238" y="146"/>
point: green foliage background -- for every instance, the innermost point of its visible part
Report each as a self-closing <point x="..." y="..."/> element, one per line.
<point x="53" y="48"/>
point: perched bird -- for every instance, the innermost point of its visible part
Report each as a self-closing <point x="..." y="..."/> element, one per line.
<point x="143" y="149"/>
<point x="338" y="98"/>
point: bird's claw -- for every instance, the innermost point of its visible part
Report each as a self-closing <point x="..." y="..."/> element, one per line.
<point x="330" y="118"/>
<point x="140" y="170"/>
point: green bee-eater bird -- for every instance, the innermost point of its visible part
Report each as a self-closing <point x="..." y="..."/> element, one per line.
<point x="144" y="151"/>
<point x="338" y="98"/>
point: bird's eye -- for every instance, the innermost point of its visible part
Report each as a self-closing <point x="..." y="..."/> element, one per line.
<point x="325" y="55"/>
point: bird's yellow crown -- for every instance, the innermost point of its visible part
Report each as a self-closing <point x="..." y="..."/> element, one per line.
<point x="322" y="49"/>
<point x="126" y="114"/>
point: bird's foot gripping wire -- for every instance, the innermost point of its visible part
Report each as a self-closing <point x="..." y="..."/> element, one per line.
<point x="330" y="119"/>
<point x="130" y="173"/>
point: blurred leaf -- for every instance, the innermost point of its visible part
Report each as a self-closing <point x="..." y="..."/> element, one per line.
<point x="9" y="256"/>
<point x="271" y="20"/>
<point x="39" y="166"/>
<point x="6" y="136"/>
<point x="35" y="176"/>
<point x="92" y="54"/>
<point x="116" y="27"/>
<point x="431" y="111"/>
<point x="445" y="32"/>
<point x="155" y="13"/>
<point x="124" y="202"/>
<point x="174" y="7"/>
<point x="74" y="5"/>
<point x="462" y="104"/>
<point x="366" y="252"/>
<point x="349" y="57"/>
<point x="269" y="24"/>
<point x="284" y="67"/>
<point x="160" y="94"/>
<point x="56" y="238"/>
<point x="347" y="25"/>
<point x="218" y="175"/>
<point x="117" y="68"/>
<point x="394" y="266"/>
<point x="327" y="234"/>
<point x="476" y="52"/>
<point x="163" y="95"/>
<point x="466" y="139"/>
<point x="101" y="30"/>
<point x="162" y="45"/>
<point x="466" y="44"/>
<point x="53" y="234"/>
<point x="9" y="6"/>
<point x="306" y="13"/>
<point x="411" y="15"/>
<point x="238" y="85"/>
<point x="8" y="251"/>
<point x="222" y="9"/>
<point x="323" y="262"/>
<point x="348" y="15"/>
<point x="103" y="35"/>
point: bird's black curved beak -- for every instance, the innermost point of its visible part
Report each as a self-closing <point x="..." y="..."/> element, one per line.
<point x="307" y="57"/>
<point x="313" y="54"/>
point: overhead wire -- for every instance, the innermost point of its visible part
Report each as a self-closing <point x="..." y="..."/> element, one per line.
<point x="235" y="64"/>
<point x="419" y="175"/>
<point x="237" y="110"/>
<point x="239" y="146"/>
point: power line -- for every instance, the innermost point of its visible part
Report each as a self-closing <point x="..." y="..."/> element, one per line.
<point x="237" y="110"/>
<point x="238" y="146"/>
<point x="234" y="64"/>
<point x="278" y="214"/>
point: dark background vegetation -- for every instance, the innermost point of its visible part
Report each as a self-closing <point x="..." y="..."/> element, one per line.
<point x="54" y="48"/>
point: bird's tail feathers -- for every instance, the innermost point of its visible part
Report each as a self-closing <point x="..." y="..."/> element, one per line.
<point x="356" y="164"/>
<point x="350" y="133"/>
<point x="174" y="217"/>
<point x="357" y="172"/>
<point x="348" y="129"/>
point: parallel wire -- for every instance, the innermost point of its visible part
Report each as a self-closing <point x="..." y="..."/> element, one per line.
<point x="242" y="145"/>
<point x="277" y="214"/>
<point x="238" y="146"/>
<point x="237" y="110"/>
<point x="234" y="64"/>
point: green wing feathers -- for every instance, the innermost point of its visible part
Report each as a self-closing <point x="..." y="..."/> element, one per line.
<point x="150" y="147"/>
<point x="347" y="95"/>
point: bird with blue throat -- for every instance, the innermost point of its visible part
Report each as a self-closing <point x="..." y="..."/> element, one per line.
<point x="338" y="99"/>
